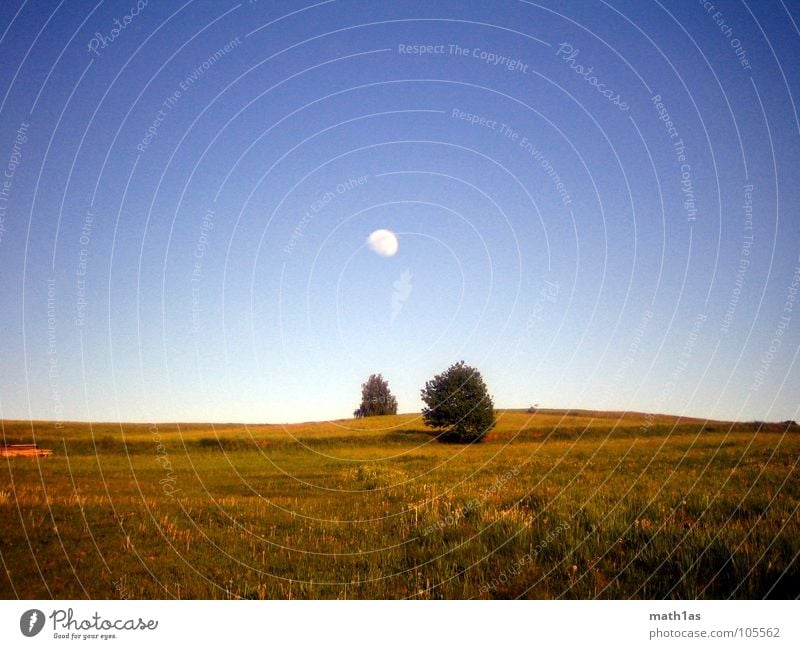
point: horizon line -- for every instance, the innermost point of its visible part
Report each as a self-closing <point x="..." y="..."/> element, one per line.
<point x="564" y="411"/>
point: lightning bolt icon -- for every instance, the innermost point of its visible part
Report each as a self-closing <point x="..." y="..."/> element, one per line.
<point x="32" y="621"/>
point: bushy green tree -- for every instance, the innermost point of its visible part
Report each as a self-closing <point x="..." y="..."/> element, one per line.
<point x="458" y="402"/>
<point x="376" y="398"/>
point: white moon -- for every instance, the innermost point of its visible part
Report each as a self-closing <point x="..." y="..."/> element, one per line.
<point x="383" y="242"/>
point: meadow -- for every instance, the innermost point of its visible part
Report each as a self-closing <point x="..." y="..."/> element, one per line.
<point x="554" y="504"/>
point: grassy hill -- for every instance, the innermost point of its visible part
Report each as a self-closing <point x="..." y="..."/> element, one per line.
<point x="577" y="504"/>
<point x="511" y="425"/>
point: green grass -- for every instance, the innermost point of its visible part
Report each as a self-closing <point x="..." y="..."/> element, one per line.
<point x="575" y="504"/>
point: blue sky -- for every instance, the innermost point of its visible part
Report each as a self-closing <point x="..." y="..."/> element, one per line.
<point x="596" y="205"/>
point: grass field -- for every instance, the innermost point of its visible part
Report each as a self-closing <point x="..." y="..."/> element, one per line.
<point x="552" y="505"/>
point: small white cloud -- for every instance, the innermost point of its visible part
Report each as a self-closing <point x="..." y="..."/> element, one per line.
<point x="402" y="289"/>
